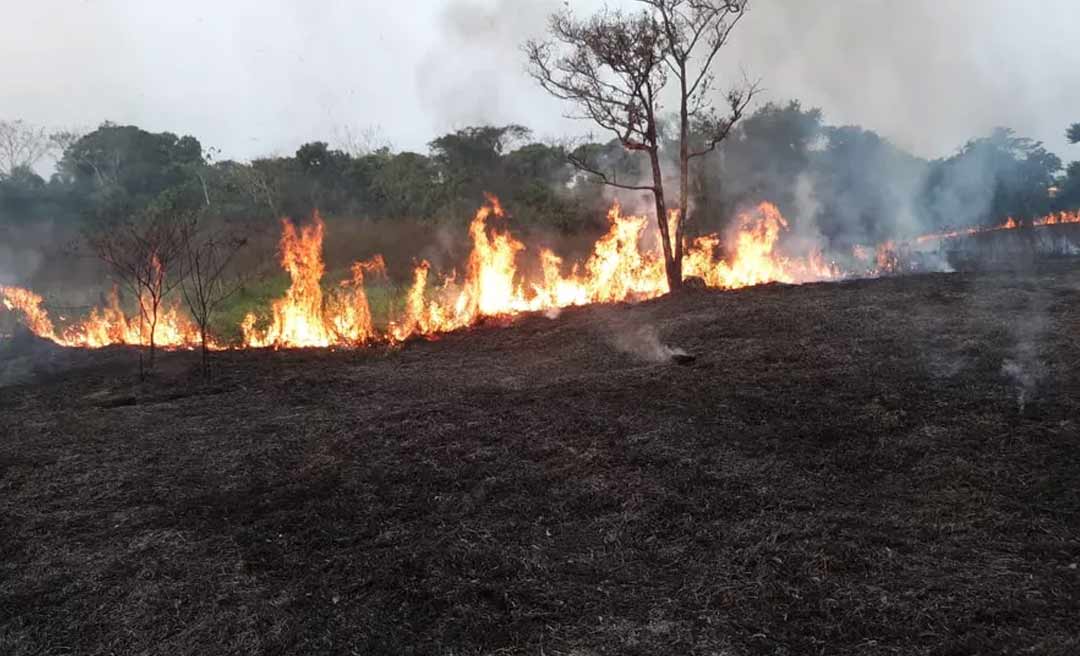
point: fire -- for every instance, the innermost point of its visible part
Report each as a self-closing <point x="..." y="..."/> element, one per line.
<point x="1054" y="218"/>
<point x="887" y="257"/>
<point x="109" y="325"/>
<point x="28" y="304"/>
<point x="1058" y="218"/>
<point x="754" y="260"/>
<point x="305" y="317"/>
<point x="626" y="264"/>
<point x="619" y="269"/>
<point x="106" y="325"/>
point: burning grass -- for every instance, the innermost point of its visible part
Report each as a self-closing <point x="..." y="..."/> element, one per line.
<point x="845" y="468"/>
<point x="305" y="307"/>
<point x="493" y="283"/>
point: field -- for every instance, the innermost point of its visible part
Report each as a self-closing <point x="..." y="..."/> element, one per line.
<point x="872" y="467"/>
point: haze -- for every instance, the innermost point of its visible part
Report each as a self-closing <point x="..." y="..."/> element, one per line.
<point x="257" y="77"/>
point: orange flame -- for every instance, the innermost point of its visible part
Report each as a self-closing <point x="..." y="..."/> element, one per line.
<point x="754" y="260"/>
<point x="104" y="326"/>
<point x="1054" y="218"/>
<point x="305" y="317"/>
<point x="28" y="304"/>
<point x="620" y="268"/>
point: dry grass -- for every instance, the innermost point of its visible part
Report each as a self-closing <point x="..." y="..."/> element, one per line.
<point x="845" y="468"/>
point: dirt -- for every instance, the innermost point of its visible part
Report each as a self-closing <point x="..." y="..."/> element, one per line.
<point x="872" y="467"/>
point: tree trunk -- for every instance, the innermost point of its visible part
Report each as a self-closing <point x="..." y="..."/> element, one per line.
<point x="672" y="266"/>
<point x="205" y="352"/>
<point x="684" y="169"/>
<point x="153" y="347"/>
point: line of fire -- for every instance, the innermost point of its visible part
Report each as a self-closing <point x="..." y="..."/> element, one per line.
<point x="625" y="265"/>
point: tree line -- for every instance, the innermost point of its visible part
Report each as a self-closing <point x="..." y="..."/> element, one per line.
<point x="862" y="185"/>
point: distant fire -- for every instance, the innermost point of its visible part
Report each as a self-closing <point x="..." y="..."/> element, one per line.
<point x="1055" y="218"/>
<point x="622" y="267"/>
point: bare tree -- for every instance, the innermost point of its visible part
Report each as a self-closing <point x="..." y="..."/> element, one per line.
<point x="145" y="253"/>
<point x="209" y="254"/>
<point x="614" y="66"/>
<point x="258" y="183"/>
<point x="361" y="142"/>
<point x="22" y="145"/>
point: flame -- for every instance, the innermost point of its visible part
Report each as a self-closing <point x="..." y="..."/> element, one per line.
<point x="305" y="316"/>
<point x="106" y="325"/>
<point x="618" y="269"/>
<point x="621" y="267"/>
<point x="754" y="260"/>
<point x="887" y="257"/>
<point x="109" y="325"/>
<point x="297" y="319"/>
<point x="349" y="311"/>
<point x="1058" y="218"/>
<point x="1054" y="218"/>
<point x="493" y="286"/>
<point x="28" y="304"/>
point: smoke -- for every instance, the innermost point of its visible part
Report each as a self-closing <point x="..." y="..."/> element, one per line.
<point x="474" y="72"/>
<point x="21" y="254"/>
<point x="643" y="342"/>
<point x="1024" y="368"/>
<point x="924" y="73"/>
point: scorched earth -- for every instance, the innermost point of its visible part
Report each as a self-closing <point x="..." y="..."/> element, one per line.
<point x="867" y="467"/>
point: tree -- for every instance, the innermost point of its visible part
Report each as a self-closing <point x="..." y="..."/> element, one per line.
<point x="1073" y="133"/>
<point x="119" y="169"/>
<point x="323" y="170"/>
<point x="991" y="178"/>
<point x="406" y="186"/>
<point x="614" y="66"/>
<point x="22" y="146"/>
<point x="145" y="252"/>
<point x="762" y="159"/>
<point x="209" y="255"/>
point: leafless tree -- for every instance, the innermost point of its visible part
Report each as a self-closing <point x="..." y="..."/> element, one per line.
<point x="210" y="255"/>
<point x="22" y="145"/>
<point x="614" y="66"/>
<point x="362" y="141"/>
<point x="145" y="253"/>
<point x="259" y="183"/>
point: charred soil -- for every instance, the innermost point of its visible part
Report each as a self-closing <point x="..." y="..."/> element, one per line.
<point x="873" y="467"/>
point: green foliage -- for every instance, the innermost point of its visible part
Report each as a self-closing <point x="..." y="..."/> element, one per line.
<point x="120" y="168"/>
<point x="406" y="185"/>
<point x="850" y="181"/>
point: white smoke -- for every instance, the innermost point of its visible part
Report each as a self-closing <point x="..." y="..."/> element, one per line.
<point x="643" y="342"/>
<point x="1024" y="368"/>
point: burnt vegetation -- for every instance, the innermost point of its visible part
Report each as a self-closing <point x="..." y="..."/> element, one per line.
<point x="844" y="468"/>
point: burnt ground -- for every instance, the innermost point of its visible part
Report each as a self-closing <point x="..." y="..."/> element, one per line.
<point x="874" y="467"/>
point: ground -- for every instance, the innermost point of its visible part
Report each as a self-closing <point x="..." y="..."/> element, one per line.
<point x="874" y="467"/>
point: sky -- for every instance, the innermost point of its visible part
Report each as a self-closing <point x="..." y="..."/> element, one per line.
<point x="260" y="77"/>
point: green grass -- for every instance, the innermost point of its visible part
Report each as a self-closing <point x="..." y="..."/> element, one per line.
<point x="254" y="297"/>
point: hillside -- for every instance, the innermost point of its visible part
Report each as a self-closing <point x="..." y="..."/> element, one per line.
<point x="872" y="467"/>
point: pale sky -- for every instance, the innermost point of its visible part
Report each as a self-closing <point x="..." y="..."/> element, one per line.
<point x="257" y="77"/>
